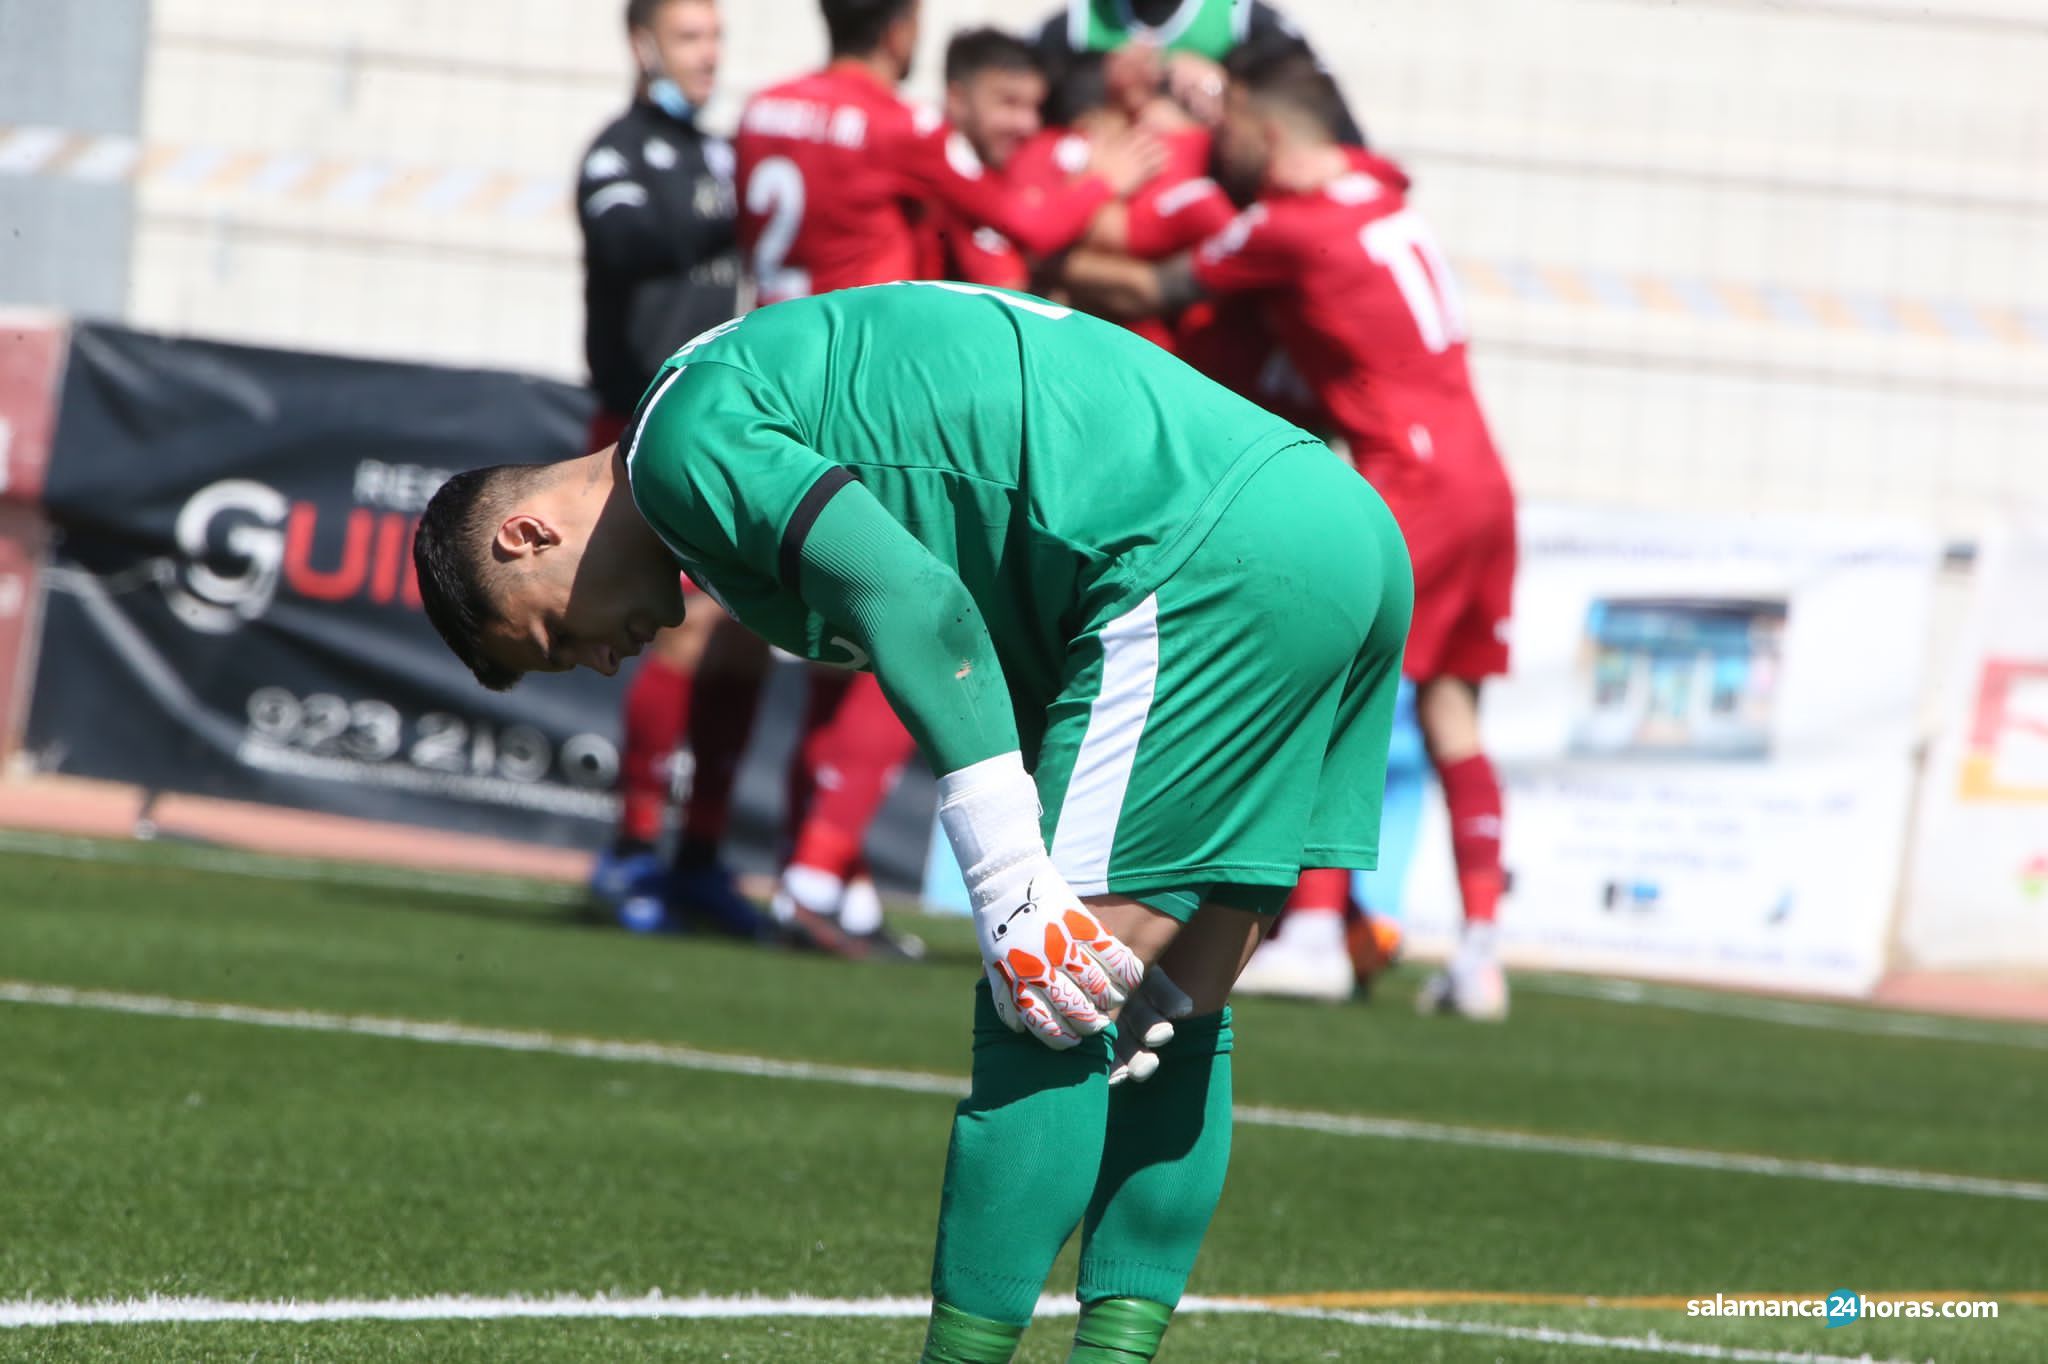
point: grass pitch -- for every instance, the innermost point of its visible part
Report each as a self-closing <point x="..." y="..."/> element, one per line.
<point x="1522" y="1204"/>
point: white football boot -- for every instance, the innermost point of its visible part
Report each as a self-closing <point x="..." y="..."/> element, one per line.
<point x="1472" y="983"/>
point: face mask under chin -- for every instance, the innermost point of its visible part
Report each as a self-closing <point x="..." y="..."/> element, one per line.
<point x="668" y="97"/>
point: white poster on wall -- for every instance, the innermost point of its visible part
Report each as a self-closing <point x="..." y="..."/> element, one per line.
<point x="1978" y="899"/>
<point x="1706" y="748"/>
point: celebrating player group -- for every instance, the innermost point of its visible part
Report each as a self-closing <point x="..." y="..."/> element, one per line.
<point x="1141" y="591"/>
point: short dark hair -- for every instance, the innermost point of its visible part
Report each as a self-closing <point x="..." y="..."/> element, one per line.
<point x="976" y="50"/>
<point x="1081" y="88"/>
<point x="641" y="13"/>
<point x="1282" y="71"/>
<point x="450" y="550"/>
<point x="856" y="26"/>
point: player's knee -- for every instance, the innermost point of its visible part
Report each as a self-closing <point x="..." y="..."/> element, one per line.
<point x="1447" y="713"/>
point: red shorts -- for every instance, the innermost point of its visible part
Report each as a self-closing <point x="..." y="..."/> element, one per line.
<point x="1463" y="549"/>
<point x="609" y="428"/>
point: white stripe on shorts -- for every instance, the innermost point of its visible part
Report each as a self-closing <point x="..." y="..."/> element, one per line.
<point x="1086" y="833"/>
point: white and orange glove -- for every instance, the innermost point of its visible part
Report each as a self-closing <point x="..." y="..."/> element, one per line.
<point x="1053" y="969"/>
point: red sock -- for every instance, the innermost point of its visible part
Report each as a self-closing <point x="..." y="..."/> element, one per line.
<point x="657" y="713"/>
<point x="721" y="722"/>
<point x="1472" y="797"/>
<point x="1324" y="889"/>
<point x="823" y="692"/>
<point x="854" y="759"/>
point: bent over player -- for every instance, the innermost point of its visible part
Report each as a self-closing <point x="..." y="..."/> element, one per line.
<point x="1149" y="634"/>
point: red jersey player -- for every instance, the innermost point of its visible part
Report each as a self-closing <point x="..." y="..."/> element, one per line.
<point x="1102" y="96"/>
<point x="835" y="169"/>
<point x="994" y="90"/>
<point x="1349" y="280"/>
<point x="1177" y="210"/>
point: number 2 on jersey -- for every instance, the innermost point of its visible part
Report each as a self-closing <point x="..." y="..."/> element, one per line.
<point x="1402" y="242"/>
<point x="776" y="190"/>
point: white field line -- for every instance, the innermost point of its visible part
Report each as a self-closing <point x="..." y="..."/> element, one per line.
<point x="457" y="1307"/>
<point x="1731" y="1162"/>
<point x="925" y="1082"/>
<point x="654" y="1306"/>
<point x="170" y="850"/>
<point x="493" y="1039"/>
<point x="1793" y="1013"/>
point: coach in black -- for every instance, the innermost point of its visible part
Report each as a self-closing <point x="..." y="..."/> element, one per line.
<point x="661" y="265"/>
<point x="657" y="207"/>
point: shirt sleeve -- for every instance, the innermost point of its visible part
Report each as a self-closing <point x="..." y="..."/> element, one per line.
<point x="928" y="643"/>
<point x="1250" y="255"/>
<point x="981" y="255"/>
<point x="1176" y="220"/>
<point x="719" y="471"/>
<point x="937" y="163"/>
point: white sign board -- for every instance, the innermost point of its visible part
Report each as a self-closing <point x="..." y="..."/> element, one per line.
<point x="1705" y="746"/>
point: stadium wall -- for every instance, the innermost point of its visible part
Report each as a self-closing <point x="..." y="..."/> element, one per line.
<point x="70" y="87"/>
<point x="1721" y="256"/>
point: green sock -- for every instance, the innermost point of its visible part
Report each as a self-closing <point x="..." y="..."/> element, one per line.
<point x="1162" y="1170"/>
<point x="1027" y="1143"/>
<point x="955" y="1337"/>
<point x="1119" y="1331"/>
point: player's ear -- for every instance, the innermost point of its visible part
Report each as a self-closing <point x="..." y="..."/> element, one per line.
<point x="522" y="535"/>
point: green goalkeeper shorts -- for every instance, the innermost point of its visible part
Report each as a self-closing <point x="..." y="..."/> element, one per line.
<point x="1230" y="729"/>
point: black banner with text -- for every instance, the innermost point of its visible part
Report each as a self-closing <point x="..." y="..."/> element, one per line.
<point x="231" y="608"/>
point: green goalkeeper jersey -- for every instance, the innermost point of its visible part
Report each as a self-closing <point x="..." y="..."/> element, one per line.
<point x="1054" y="464"/>
<point x="1209" y="27"/>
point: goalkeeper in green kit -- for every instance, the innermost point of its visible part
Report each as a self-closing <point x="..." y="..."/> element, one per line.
<point x="1148" y="634"/>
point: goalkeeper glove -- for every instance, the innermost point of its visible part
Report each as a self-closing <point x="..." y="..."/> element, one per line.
<point x="1052" y="968"/>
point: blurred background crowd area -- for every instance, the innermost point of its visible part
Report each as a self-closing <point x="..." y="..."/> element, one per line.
<point x="1720" y="255"/>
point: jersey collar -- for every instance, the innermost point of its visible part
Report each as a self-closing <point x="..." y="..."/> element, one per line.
<point x="856" y="68"/>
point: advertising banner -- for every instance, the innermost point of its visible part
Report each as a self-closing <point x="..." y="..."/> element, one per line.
<point x="1978" y="899"/>
<point x="231" y="608"/>
<point x="1706" y="745"/>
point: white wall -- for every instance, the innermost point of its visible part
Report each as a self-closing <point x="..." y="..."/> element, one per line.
<point x="1721" y="254"/>
<point x="64" y="240"/>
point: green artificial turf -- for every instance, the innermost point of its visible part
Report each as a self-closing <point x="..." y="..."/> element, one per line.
<point x="220" y="1159"/>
